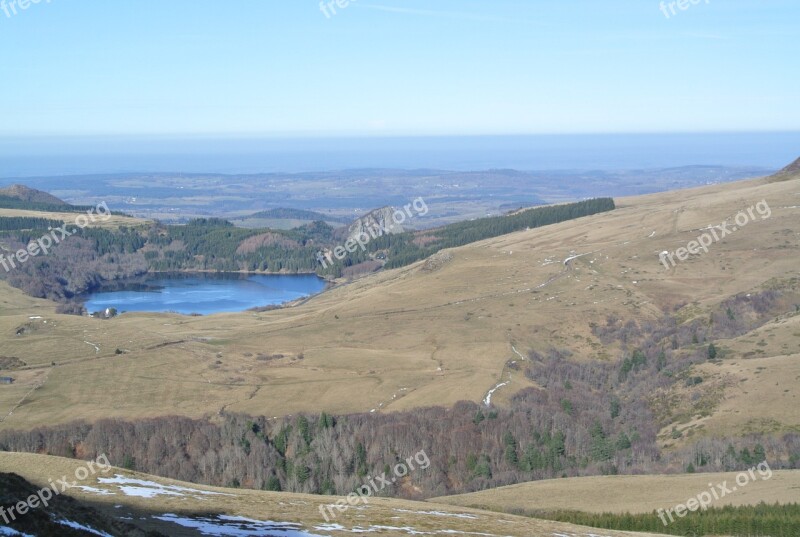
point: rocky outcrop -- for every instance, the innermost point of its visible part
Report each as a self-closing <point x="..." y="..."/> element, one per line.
<point x="436" y="261"/>
<point x="375" y="223"/>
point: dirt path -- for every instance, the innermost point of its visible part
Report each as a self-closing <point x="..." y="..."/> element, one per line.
<point x="25" y="397"/>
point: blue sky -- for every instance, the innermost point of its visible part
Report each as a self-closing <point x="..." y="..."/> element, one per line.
<point x="397" y="67"/>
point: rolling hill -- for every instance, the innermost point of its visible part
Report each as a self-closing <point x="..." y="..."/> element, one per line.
<point x="284" y="218"/>
<point x="414" y="337"/>
<point x="583" y="329"/>
<point x="128" y="503"/>
<point x="640" y="494"/>
<point x="31" y="195"/>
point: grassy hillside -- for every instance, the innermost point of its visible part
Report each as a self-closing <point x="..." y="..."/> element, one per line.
<point x="638" y="494"/>
<point x="587" y="354"/>
<point x="427" y="334"/>
<point x="154" y="504"/>
<point x="763" y="506"/>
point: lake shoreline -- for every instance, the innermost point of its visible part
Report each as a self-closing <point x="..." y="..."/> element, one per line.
<point x="204" y="292"/>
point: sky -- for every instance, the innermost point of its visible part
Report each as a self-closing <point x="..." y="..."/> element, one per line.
<point x="396" y="67"/>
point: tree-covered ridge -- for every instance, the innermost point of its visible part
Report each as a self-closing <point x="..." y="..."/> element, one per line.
<point x="26" y="223"/>
<point x="26" y="193"/>
<point x="405" y="248"/>
<point x="214" y="244"/>
<point x="124" y="240"/>
<point x="466" y="232"/>
<point x="9" y="202"/>
<point x="297" y="214"/>
<point x="462" y="233"/>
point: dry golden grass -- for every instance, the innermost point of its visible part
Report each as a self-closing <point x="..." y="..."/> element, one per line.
<point x="408" y="338"/>
<point x="753" y="388"/>
<point x="282" y="507"/>
<point x="629" y="494"/>
<point x="760" y="395"/>
<point x="112" y="221"/>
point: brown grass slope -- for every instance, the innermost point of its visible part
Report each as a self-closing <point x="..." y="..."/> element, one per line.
<point x="628" y="494"/>
<point x="277" y="507"/>
<point x="426" y="334"/>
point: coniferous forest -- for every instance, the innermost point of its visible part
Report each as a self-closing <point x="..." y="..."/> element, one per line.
<point x="92" y="257"/>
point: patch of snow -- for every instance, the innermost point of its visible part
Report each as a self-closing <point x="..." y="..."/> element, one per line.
<point x="10" y="532"/>
<point x="405" y="529"/>
<point x="576" y="535"/>
<point x="234" y="526"/>
<point x="411" y="531"/>
<point x="572" y="258"/>
<point x="76" y="526"/>
<point x="488" y="399"/>
<point x="437" y="513"/>
<point x="150" y="489"/>
<point x="330" y="527"/>
<point x="93" y="490"/>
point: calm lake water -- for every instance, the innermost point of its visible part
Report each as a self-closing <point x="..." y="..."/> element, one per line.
<point x="204" y="293"/>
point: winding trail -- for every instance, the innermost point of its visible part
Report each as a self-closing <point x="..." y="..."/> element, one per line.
<point x="25" y="397"/>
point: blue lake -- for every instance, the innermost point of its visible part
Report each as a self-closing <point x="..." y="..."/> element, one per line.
<point x="204" y="293"/>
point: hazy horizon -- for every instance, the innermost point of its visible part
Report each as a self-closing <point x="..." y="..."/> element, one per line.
<point x="63" y="156"/>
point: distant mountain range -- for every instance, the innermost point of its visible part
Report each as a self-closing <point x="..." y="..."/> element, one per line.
<point x="289" y="200"/>
<point x="283" y="213"/>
